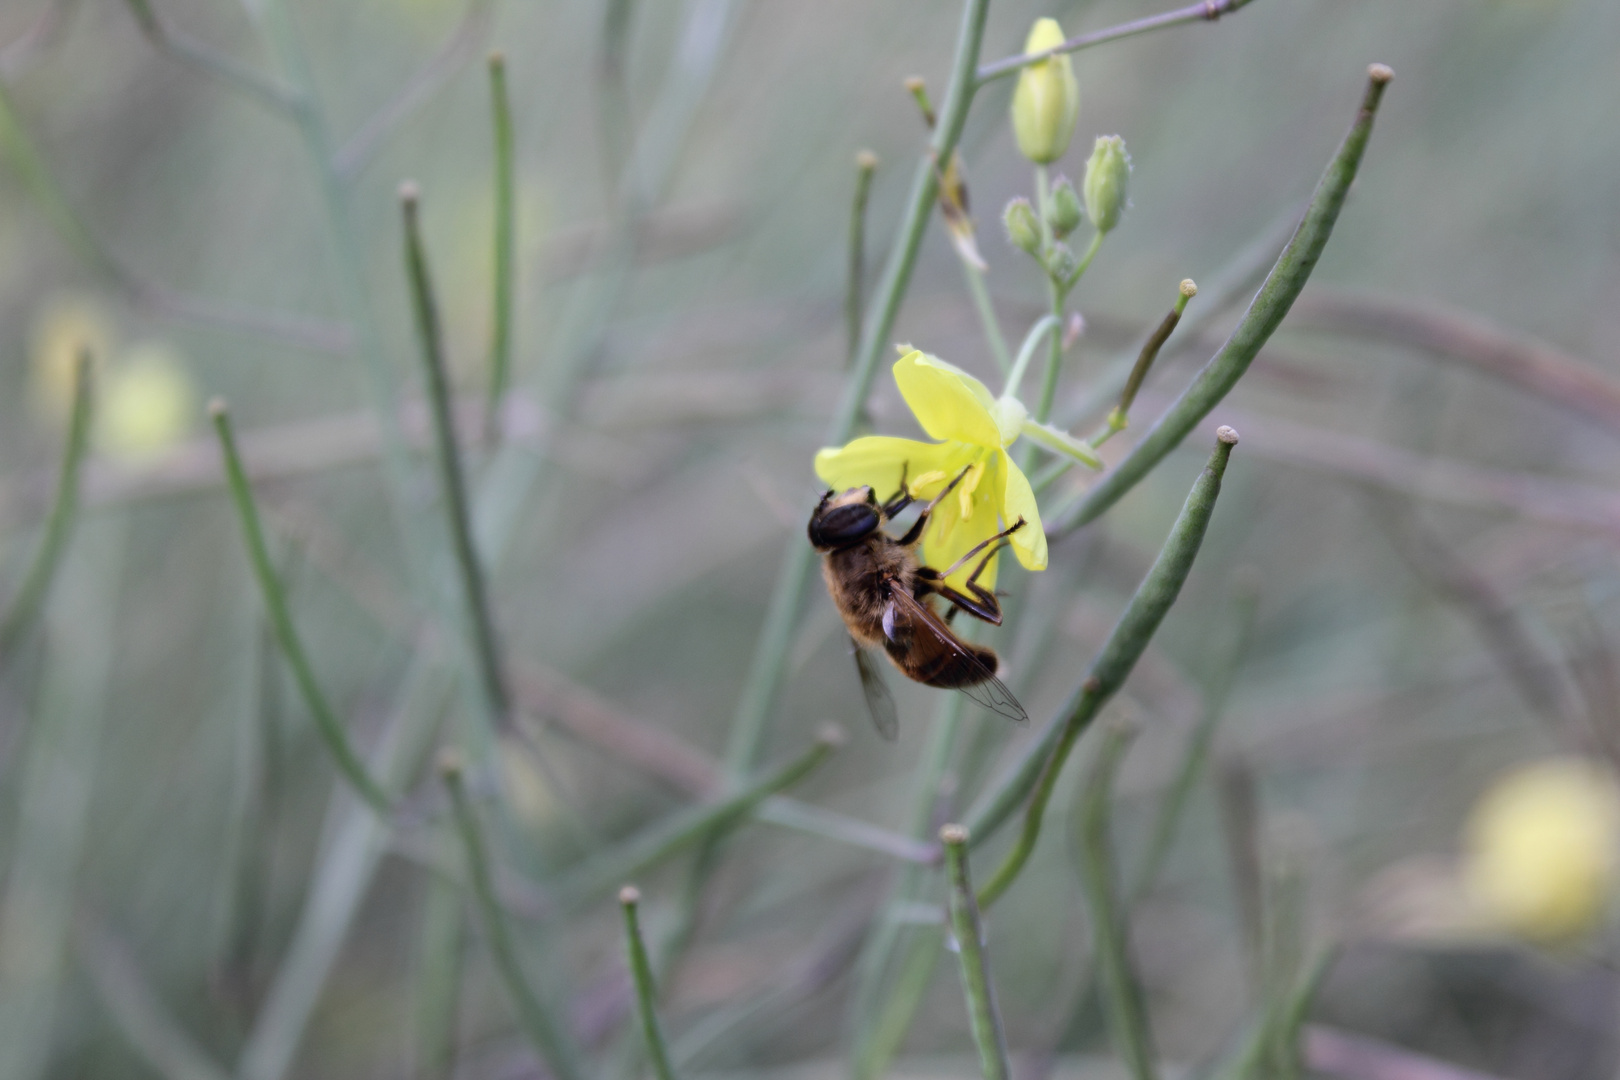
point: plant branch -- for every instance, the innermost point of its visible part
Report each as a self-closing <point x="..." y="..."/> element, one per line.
<point x="969" y="934"/>
<point x="866" y="164"/>
<point x="1036" y="773"/>
<point x="238" y="76"/>
<point x="505" y="245"/>
<point x="1265" y="313"/>
<point x="641" y="974"/>
<point x="275" y="603"/>
<point x="30" y="599"/>
<point x="1205" y="11"/>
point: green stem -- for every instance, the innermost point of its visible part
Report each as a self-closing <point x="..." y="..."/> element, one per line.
<point x="1266" y="312"/>
<point x="1036" y="773"/>
<point x="987" y="314"/>
<point x="545" y="1032"/>
<point x="484" y="646"/>
<point x="1119" y="414"/>
<point x="30" y="599"/>
<point x="787" y="599"/>
<point x="866" y="164"/>
<point x="505" y="242"/>
<point x="1049" y="324"/>
<point x="969" y="934"/>
<point x="684" y="828"/>
<point x="1085" y="262"/>
<point x="646" y="987"/>
<point x="437" y="991"/>
<point x="275" y="603"/>
<point x="238" y="76"/>
<point x="1204" y="11"/>
<point x="1127" y="1012"/>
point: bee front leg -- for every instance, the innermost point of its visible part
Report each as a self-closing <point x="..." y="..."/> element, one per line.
<point x="916" y="530"/>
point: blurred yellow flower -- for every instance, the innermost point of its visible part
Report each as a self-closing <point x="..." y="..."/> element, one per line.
<point x="68" y="326"/>
<point x="976" y="430"/>
<point x="1541" y="850"/>
<point x="1046" y="104"/>
<point x="146" y="403"/>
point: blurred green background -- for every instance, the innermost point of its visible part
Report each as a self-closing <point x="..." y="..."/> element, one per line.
<point x="1433" y="545"/>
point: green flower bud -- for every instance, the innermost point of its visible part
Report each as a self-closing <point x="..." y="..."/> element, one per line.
<point x="1046" y="103"/>
<point x="1022" y="228"/>
<point x="1060" y="262"/>
<point x="1063" y="209"/>
<point x="1106" y="175"/>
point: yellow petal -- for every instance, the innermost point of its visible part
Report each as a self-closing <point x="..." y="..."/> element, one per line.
<point x="876" y="461"/>
<point x="950" y="536"/>
<point x="1018" y="501"/>
<point x="948" y="402"/>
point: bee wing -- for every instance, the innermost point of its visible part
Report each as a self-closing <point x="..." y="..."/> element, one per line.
<point x="988" y="691"/>
<point x="879" y="702"/>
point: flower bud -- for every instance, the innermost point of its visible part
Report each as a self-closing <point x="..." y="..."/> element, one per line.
<point x="1106" y="176"/>
<point x="1061" y="263"/>
<point x="1022" y="228"/>
<point x="1063" y="210"/>
<point x="1046" y="103"/>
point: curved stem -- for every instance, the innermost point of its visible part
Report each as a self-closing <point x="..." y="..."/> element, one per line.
<point x="30" y="599"/>
<point x="987" y="314"/>
<point x="1265" y="314"/>
<point x="505" y="244"/>
<point x="275" y="602"/>
<point x="1204" y="11"/>
<point x="969" y="934"/>
<point x="1036" y="774"/>
<point x="1049" y="324"/>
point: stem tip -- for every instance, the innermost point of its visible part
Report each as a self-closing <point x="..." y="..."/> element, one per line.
<point x="953" y="835"/>
<point x="451" y="764"/>
<point x="497" y="59"/>
<point x="629" y="896"/>
<point x="1380" y="73"/>
<point x="1189" y="288"/>
<point x="1226" y="435"/>
<point x="915" y="83"/>
<point x="832" y="737"/>
<point x="866" y="161"/>
<point x="217" y="408"/>
<point x="410" y="194"/>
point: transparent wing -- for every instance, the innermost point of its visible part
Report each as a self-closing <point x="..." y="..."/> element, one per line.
<point x="985" y="689"/>
<point x="879" y="702"/>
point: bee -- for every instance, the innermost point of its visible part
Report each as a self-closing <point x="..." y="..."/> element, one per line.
<point x="884" y="594"/>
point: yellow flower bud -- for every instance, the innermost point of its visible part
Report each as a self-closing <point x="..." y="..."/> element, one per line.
<point x="1542" y="846"/>
<point x="1107" y="172"/>
<point x="1046" y="104"/>
<point x="146" y="405"/>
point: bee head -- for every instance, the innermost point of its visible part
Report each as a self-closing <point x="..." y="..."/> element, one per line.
<point x="844" y="520"/>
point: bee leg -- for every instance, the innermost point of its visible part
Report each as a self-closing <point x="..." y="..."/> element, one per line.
<point x="978" y="601"/>
<point x="916" y="529"/>
<point x="902" y="498"/>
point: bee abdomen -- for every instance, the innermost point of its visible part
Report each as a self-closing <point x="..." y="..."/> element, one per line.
<point x="950" y="670"/>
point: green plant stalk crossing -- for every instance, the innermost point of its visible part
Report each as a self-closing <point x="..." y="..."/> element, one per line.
<point x="855" y="280"/>
<point x="275" y="603"/>
<point x="969" y="934"/>
<point x="1282" y="286"/>
<point x="1037" y="772"/>
<point x="544" y="1032"/>
<point x="485" y="648"/>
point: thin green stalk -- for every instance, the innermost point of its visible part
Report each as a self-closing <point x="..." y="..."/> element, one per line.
<point x="970" y="949"/>
<point x="30" y="599"/>
<point x="898" y="1010"/>
<point x="866" y="164"/>
<point x="546" y="1033"/>
<point x="1036" y="773"/>
<point x="500" y="349"/>
<point x="1246" y="603"/>
<point x="1204" y="11"/>
<point x="1118" y="416"/>
<point x="1263" y="317"/>
<point x="483" y="643"/>
<point x="1048" y="324"/>
<point x="1127" y="1012"/>
<point x="275" y="603"/>
<point x="436" y="1005"/>
<point x="987" y="314"/>
<point x="831" y="825"/>
<point x="765" y="669"/>
<point x="646" y="987"/>
<point x="682" y="829"/>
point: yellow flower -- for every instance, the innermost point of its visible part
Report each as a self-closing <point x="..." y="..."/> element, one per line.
<point x="147" y="404"/>
<point x="975" y="430"/>
<point x="1542" y="847"/>
<point x="1046" y="104"/>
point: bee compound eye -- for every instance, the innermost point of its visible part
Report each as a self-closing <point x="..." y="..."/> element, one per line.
<point x="843" y="525"/>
